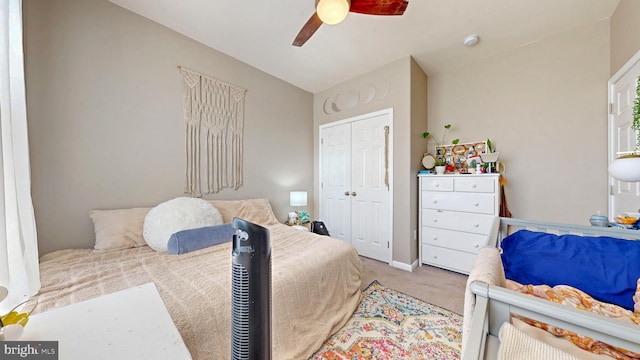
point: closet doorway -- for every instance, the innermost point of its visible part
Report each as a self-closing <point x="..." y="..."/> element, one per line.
<point x="356" y="165"/>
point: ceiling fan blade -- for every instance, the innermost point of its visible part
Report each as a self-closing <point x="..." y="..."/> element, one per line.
<point x="307" y="30"/>
<point x="379" y="7"/>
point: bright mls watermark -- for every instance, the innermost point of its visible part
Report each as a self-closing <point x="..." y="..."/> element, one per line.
<point x="30" y="350"/>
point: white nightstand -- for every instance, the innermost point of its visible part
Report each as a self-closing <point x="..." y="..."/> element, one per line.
<point x="129" y="324"/>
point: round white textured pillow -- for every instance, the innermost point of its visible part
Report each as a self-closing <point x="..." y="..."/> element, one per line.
<point x="175" y="215"/>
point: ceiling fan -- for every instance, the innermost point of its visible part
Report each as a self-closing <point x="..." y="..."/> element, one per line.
<point x="334" y="11"/>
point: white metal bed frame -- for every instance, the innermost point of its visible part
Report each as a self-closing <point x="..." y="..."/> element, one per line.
<point x="494" y="304"/>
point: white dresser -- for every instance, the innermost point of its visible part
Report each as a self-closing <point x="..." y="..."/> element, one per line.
<point x="456" y="217"/>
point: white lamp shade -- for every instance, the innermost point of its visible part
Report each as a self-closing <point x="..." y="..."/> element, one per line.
<point x="298" y="198"/>
<point x="332" y="11"/>
<point x="626" y="168"/>
<point x="490" y="157"/>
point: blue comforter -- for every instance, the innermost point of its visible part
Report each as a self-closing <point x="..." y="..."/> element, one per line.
<point x="606" y="268"/>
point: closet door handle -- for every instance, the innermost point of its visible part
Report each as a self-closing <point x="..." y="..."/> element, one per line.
<point x="346" y="193"/>
<point x="353" y="193"/>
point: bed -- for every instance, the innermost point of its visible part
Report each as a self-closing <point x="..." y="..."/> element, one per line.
<point x="499" y="315"/>
<point x="315" y="280"/>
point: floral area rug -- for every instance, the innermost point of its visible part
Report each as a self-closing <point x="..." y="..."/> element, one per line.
<point x="391" y="325"/>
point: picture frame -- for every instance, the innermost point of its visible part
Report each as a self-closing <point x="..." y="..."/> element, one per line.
<point x="458" y="154"/>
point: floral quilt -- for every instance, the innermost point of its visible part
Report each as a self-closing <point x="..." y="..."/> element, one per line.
<point x="568" y="295"/>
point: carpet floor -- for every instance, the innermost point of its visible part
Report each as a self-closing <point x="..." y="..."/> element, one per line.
<point x="389" y="324"/>
<point x="427" y="283"/>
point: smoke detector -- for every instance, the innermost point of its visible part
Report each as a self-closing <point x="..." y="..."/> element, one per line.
<point x="471" y="40"/>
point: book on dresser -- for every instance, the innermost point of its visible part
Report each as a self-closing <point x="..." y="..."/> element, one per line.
<point x="458" y="214"/>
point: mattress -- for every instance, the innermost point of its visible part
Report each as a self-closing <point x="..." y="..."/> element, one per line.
<point x="315" y="288"/>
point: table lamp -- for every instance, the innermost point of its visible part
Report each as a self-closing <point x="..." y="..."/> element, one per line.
<point x="296" y="199"/>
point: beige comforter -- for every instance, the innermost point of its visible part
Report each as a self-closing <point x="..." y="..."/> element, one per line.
<point x="315" y="288"/>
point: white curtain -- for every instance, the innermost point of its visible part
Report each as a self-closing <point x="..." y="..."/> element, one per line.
<point x="19" y="270"/>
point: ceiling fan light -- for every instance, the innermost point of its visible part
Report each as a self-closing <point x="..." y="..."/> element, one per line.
<point x="626" y="168"/>
<point x="332" y="11"/>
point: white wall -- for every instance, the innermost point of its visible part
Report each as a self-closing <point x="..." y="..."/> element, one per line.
<point x="105" y="121"/>
<point x="400" y="85"/>
<point x="106" y="129"/>
<point x="544" y="106"/>
<point x="625" y="27"/>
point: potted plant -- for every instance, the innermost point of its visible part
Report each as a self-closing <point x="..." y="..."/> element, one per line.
<point x="491" y="156"/>
<point x="446" y="128"/>
<point x="472" y="166"/>
<point x="440" y="165"/>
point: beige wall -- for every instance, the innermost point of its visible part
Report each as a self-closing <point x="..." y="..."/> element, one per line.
<point x="105" y="118"/>
<point x="419" y="106"/>
<point x="625" y="28"/>
<point x="400" y="85"/>
<point x="106" y="131"/>
<point x="544" y="107"/>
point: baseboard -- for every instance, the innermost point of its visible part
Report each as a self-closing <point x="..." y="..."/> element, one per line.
<point x="405" y="267"/>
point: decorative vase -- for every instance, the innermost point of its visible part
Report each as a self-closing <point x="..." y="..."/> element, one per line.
<point x="440" y="169"/>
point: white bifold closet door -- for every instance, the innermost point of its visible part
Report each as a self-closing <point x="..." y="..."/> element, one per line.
<point x="355" y="172"/>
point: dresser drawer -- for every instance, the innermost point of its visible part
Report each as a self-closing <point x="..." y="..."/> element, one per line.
<point x="475" y="184"/>
<point x="455" y="240"/>
<point x="467" y="202"/>
<point x="449" y="259"/>
<point x="472" y="223"/>
<point x="435" y="183"/>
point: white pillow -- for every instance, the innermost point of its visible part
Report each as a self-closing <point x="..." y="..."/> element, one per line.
<point x="178" y="214"/>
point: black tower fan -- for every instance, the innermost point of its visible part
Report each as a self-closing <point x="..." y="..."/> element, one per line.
<point x="250" y="292"/>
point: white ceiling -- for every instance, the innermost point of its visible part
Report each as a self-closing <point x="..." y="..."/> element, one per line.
<point x="260" y="32"/>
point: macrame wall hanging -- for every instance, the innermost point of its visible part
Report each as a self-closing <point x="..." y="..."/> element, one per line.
<point x="214" y="117"/>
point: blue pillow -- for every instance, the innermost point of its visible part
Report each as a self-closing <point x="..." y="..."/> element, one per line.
<point x="185" y="241"/>
<point x="605" y="268"/>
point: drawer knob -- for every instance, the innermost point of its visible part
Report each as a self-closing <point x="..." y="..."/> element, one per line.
<point x="435" y="220"/>
<point x="435" y="237"/>
<point x="476" y="245"/>
<point x="475" y="204"/>
<point x="435" y="201"/>
<point x="473" y="186"/>
<point x="435" y="256"/>
<point x="437" y="185"/>
<point x="476" y="225"/>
